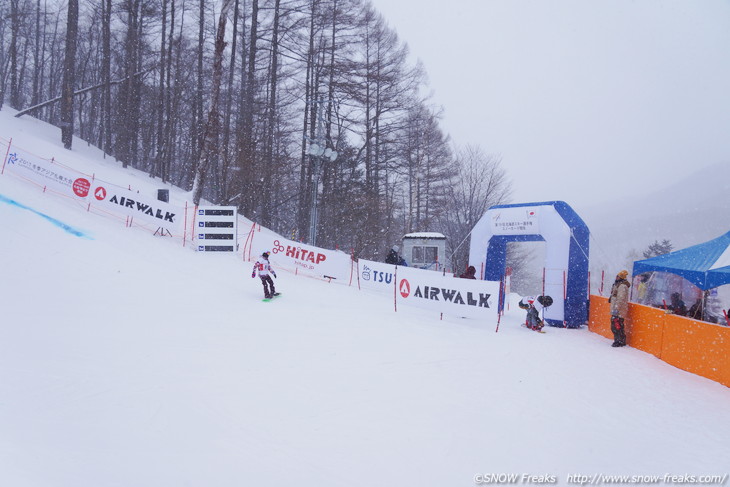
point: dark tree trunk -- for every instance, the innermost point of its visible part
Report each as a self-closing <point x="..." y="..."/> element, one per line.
<point x="69" y="75"/>
<point x="212" y="128"/>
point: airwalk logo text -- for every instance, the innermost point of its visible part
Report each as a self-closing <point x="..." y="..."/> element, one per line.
<point x="143" y="208"/>
<point x="449" y="296"/>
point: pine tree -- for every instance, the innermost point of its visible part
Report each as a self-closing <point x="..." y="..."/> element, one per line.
<point x="658" y="249"/>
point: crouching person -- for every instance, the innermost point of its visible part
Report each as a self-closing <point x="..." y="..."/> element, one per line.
<point x="534" y="306"/>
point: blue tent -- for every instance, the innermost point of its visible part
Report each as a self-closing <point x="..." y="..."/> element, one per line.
<point x="706" y="265"/>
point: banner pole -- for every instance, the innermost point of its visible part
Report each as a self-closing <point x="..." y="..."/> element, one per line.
<point x="185" y="223"/>
<point x="565" y="298"/>
<point x="395" y="289"/>
<point x="352" y="265"/>
<point x="358" y="275"/>
<point x="6" y="156"/>
<point x="501" y="296"/>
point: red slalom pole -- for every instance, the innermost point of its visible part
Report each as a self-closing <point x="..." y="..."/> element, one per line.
<point x="500" y="309"/>
<point x="6" y="156"/>
<point x="395" y="289"/>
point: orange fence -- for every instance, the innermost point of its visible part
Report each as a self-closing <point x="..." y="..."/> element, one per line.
<point x="695" y="346"/>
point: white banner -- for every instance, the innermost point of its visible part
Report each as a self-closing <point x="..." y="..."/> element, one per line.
<point x="515" y="221"/>
<point x="377" y="276"/>
<point x="314" y="261"/>
<point x="446" y="294"/>
<point x="431" y="290"/>
<point x="56" y="177"/>
<point x="114" y="199"/>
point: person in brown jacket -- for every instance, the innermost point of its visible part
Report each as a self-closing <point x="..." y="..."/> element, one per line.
<point x="619" y="301"/>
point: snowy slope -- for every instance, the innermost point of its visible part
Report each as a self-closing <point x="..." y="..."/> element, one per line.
<point x="126" y="360"/>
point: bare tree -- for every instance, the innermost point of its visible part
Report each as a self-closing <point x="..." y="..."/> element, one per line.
<point x="212" y="127"/>
<point x="480" y="182"/>
<point x="69" y="75"/>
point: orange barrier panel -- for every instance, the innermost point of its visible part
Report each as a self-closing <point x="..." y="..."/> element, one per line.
<point x="695" y="346"/>
<point x="599" y="317"/>
<point x="698" y="347"/>
<point x="644" y="328"/>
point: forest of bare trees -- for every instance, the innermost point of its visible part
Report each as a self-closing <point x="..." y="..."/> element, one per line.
<point x="225" y="98"/>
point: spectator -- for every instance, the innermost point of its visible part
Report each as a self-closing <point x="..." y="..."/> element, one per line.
<point x="642" y="288"/>
<point x="470" y="273"/>
<point x="393" y="257"/>
<point x="619" y="301"/>
<point x="677" y="305"/>
<point x="695" y="311"/>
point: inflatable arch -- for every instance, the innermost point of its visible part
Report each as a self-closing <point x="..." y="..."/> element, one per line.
<point x="566" y="256"/>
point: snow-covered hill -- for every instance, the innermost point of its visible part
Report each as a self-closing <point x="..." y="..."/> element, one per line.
<point x="127" y="360"/>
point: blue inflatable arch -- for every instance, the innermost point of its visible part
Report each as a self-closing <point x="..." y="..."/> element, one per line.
<point x="566" y="256"/>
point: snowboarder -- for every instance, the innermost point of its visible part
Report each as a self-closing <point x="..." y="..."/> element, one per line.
<point x="619" y="301"/>
<point x="534" y="305"/>
<point x="263" y="266"/>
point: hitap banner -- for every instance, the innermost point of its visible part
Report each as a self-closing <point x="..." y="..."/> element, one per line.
<point x="315" y="261"/>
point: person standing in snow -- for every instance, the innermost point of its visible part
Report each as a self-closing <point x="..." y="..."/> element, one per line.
<point x="469" y="273"/>
<point x="393" y="258"/>
<point x="534" y="305"/>
<point x="619" y="301"/>
<point x="263" y="266"/>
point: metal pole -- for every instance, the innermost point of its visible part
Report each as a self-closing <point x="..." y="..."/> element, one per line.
<point x="315" y="176"/>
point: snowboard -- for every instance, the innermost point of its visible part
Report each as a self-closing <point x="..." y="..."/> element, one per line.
<point x="539" y="331"/>
<point x="276" y="295"/>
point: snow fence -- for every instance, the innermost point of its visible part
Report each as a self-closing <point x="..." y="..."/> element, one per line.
<point x="695" y="346"/>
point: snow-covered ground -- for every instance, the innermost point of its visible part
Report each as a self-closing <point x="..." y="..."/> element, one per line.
<point x="127" y="360"/>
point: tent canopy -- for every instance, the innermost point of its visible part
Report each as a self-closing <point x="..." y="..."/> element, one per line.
<point x="706" y="265"/>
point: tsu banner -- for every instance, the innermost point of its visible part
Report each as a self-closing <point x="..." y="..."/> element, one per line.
<point x="377" y="276"/>
<point x="431" y="290"/>
<point x="304" y="258"/>
<point x="446" y="294"/>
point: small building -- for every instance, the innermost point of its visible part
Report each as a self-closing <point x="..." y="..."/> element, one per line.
<point x="425" y="250"/>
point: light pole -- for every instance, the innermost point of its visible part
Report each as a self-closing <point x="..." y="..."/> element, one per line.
<point x="318" y="151"/>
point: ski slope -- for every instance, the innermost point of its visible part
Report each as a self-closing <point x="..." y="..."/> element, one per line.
<point x="127" y="360"/>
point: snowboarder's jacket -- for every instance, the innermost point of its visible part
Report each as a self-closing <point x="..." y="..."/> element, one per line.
<point x="620" y="296"/>
<point x="532" y="301"/>
<point x="263" y="266"/>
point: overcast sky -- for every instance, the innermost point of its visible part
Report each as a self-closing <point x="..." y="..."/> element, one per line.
<point x="583" y="100"/>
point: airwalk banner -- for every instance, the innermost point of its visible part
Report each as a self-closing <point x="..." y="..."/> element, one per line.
<point x="94" y="193"/>
<point x="432" y="290"/>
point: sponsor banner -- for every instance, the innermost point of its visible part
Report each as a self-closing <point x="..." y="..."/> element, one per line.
<point x="377" y="276"/>
<point x="304" y="258"/>
<point x="446" y="294"/>
<point x="522" y="220"/>
<point x="43" y="172"/>
<point x="114" y="199"/>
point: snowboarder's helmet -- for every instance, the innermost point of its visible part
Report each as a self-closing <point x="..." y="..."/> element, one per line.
<point x="265" y="254"/>
<point x="622" y="274"/>
<point x="545" y="300"/>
